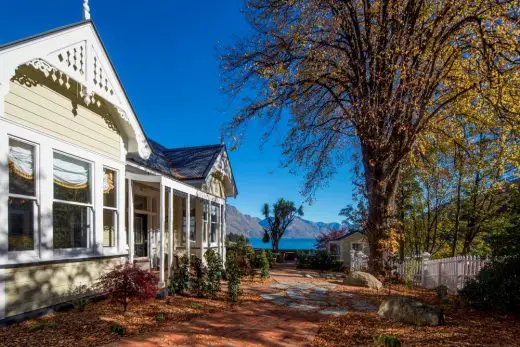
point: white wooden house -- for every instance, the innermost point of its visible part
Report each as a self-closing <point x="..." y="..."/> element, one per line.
<point x="81" y="186"/>
<point x="351" y="248"/>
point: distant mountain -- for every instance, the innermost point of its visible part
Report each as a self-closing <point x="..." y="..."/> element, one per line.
<point x="244" y="224"/>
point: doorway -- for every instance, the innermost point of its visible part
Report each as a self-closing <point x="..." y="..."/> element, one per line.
<point x="141" y="235"/>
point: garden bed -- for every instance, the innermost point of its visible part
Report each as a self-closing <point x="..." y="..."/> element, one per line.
<point x="91" y="327"/>
<point x="463" y="327"/>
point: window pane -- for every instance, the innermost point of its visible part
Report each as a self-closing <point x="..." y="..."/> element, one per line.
<point x="109" y="188"/>
<point x="140" y="203"/>
<point x="192" y="226"/>
<point x="213" y="235"/>
<point x="213" y="213"/>
<point x="71" y="224"/>
<point x="21" y="168"/>
<point x="71" y="179"/>
<point x="21" y="225"/>
<point x="109" y="228"/>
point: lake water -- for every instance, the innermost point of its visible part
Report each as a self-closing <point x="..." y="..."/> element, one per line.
<point x="285" y="244"/>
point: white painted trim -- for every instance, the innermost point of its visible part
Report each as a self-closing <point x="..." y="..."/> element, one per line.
<point x="187" y="227"/>
<point x="131" y="236"/>
<point x="2" y="294"/>
<point x="4" y="195"/>
<point x="176" y="185"/>
<point x="170" y="230"/>
<point x="161" y="232"/>
<point x="47" y="48"/>
<point x="47" y="146"/>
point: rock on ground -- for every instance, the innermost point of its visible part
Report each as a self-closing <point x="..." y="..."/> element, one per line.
<point x="410" y="311"/>
<point x="362" y="279"/>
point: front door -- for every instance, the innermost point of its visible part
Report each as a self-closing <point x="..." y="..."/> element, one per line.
<point x="141" y="235"/>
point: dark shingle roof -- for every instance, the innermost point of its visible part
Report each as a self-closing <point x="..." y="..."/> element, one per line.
<point x="186" y="163"/>
<point x="193" y="162"/>
<point x="349" y="233"/>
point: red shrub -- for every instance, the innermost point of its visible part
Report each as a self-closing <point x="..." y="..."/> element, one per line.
<point x="127" y="281"/>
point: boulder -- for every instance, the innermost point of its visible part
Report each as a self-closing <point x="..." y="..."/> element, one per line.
<point x="362" y="279"/>
<point x="410" y="311"/>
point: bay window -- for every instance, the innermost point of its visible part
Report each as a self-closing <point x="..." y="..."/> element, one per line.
<point x="72" y="207"/>
<point x="109" y="207"/>
<point x="22" y="201"/>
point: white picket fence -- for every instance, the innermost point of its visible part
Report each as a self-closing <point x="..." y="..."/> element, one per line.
<point x="451" y="272"/>
<point x="358" y="261"/>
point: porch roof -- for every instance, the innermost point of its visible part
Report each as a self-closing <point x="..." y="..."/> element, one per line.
<point x="184" y="163"/>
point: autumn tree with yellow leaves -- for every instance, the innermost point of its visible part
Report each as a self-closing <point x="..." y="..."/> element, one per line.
<point x="379" y="74"/>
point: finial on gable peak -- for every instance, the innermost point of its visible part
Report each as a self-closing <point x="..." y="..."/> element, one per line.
<point x="86" y="10"/>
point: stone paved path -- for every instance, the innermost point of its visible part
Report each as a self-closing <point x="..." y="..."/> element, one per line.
<point x="293" y="305"/>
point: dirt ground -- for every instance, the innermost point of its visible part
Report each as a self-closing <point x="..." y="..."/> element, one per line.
<point x="290" y="309"/>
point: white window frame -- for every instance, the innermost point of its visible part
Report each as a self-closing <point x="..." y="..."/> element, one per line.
<point x="90" y="206"/>
<point x="184" y="223"/>
<point x="214" y="243"/>
<point x="47" y="145"/>
<point x="115" y="210"/>
<point x="205" y="218"/>
<point x="356" y="243"/>
<point x="35" y="252"/>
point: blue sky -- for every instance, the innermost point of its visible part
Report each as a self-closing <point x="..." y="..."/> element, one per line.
<point x="165" y="53"/>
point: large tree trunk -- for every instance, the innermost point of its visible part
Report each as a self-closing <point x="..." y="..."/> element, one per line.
<point x="381" y="181"/>
<point x="275" y="243"/>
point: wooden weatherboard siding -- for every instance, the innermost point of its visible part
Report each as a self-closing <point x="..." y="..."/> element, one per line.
<point x="47" y="111"/>
<point x="32" y="287"/>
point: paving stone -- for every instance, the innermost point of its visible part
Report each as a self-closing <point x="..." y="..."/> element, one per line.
<point x="303" y="307"/>
<point x="320" y="298"/>
<point x="280" y="285"/>
<point x="294" y="295"/>
<point x="320" y="289"/>
<point x="334" y="311"/>
<point x="303" y="285"/>
<point x="347" y="295"/>
<point x="281" y="301"/>
<point x="267" y="297"/>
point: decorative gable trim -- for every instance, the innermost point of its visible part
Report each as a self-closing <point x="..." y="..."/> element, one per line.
<point x="221" y="170"/>
<point x="76" y="53"/>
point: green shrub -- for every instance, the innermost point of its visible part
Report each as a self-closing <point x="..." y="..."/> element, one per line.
<point x="179" y="276"/>
<point x="198" y="277"/>
<point x="117" y="329"/>
<point x="324" y="260"/>
<point x="215" y="270"/>
<point x="271" y="257"/>
<point x="264" y="265"/>
<point x="233" y="275"/>
<point x="42" y="325"/>
<point x="303" y="260"/>
<point x="160" y="317"/>
<point x="80" y="296"/>
<point x="387" y="341"/>
<point x="497" y="286"/>
<point x="195" y="305"/>
<point x="244" y="256"/>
